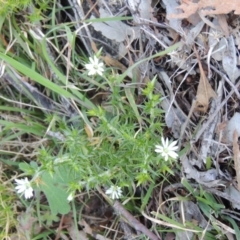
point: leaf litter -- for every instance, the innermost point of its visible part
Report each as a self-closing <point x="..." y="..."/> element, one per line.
<point x="204" y="91"/>
<point x="207" y="7"/>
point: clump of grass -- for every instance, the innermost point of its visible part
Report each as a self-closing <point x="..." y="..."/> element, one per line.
<point x="10" y="6"/>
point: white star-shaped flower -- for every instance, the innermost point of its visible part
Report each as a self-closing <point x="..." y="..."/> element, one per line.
<point x="167" y="149"/>
<point x="24" y="187"/>
<point x="115" y="192"/>
<point x="95" y="66"/>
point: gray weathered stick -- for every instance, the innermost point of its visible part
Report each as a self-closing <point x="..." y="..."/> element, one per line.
<point x="133" y="221"/>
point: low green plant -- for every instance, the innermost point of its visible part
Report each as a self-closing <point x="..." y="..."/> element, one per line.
<point x="117" y="150"/>
<point x="12" y="5"/>
<point x="9" y="6"/>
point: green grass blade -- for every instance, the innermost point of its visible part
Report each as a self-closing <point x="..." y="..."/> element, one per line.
<point x="133" y="104"/>
<point x="147" y="196"/>
<point x="235" y="226"/>
<point x="108" y="19"/>
<point x="35" y="76"/>
<point x="35" y="128"/>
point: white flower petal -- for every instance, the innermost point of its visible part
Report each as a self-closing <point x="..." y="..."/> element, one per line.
<point x="95" y="66"/>
<point x="95" y="59"/>
<point x="173" y="145"/>
<point x="173" y="148"/>
<point x="91" y="72"/>
<point x="28" y="193"/>
<point x="24" y="187"/>
<point x="19" y="181"/>
<point x="173" y="154"/>
<point x="163" y="141"/>
<point x="166" y="142"/>
<point x="168" y="149"/>
<point x="158" y="150"/>
<point x="165" y="156"/>
<point x="20" y="189"/>
<point x="109" y="191"/>
<point x="115" y="192"/>
<point x="70" y="196"/>
<point x="99" y="72"/>
<point x="92" y="62"/>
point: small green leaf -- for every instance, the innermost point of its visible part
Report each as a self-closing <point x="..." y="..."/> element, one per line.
<point x="34" y="165"/>
<point x="25" y="167"/>
<point x="235" y="226"/>
<point x="133" y="105"/>
<point x="208" y="163"/>
<point x="188" y="186"/>
<point x="56" y="196"/>
<point x="147" y="196"/>
<point x="206" y="209"/>
<point x="49" y="218"/>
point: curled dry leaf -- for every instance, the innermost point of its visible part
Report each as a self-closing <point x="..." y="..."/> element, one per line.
<point x="109" y="61"/>
<point x="207" y="7"/>
<point x="204" y="91"/>
<point x="236" y="157"/>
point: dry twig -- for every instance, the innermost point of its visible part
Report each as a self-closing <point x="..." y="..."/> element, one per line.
<point x="133" y="221"/>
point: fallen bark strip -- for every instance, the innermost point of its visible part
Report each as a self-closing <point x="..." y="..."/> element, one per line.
<point x="133" y="221"/>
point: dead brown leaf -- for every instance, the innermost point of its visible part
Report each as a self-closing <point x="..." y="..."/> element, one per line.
<point x="204" y="91"/>
<point x="207" y="7"/>
<point x="222" y="20"/>
<point x="89" y="131"/>
<point x="236" y="156"/>
<point x="109" y="61"/>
